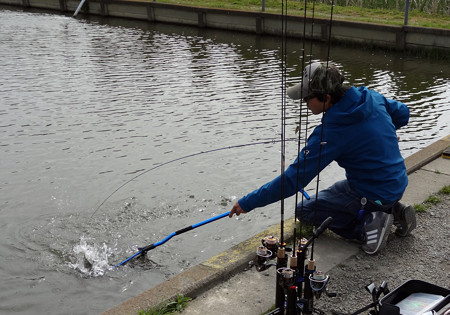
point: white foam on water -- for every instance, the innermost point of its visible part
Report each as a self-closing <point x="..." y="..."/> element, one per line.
<point x="91" y="258"/>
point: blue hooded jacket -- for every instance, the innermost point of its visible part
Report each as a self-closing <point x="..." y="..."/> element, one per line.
<point x="359" y="133"/>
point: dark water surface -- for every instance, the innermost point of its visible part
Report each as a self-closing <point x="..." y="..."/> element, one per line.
<point x="86" y="105"/>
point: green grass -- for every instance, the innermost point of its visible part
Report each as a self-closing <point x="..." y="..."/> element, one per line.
<point x="420" y="208"/>
<point x="306" y="232"/>
<point x="431" y="200"/>
<point x="424" y="14"/>
<point x="445" y="190"/>
<point x="166" y="308"/>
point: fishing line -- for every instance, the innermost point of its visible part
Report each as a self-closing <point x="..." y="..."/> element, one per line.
<point x="304" y="157"/>
<point x="322" y="127"/>
<point x="281" y="263"/>
<point x="273" y="141"/>
<point x="300" y="255"/>
<point x="299" y="145"/>
<point x="329" y="34"/>
<point x="306" y="127"/>
<point x="283" y="114"/>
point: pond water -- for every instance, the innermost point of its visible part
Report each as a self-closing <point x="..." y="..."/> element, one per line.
<point x="96" y="117"/>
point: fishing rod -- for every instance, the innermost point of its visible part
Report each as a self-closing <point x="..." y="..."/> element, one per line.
<point x="282" y="258"/>
<point x="298" y="285"/>
<point x="310" y="282"/>
<point x="143" y="250"/>
<point x="185" y="157"/>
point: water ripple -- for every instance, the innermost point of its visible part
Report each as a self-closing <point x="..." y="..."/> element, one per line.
<point x="85" y="106"/>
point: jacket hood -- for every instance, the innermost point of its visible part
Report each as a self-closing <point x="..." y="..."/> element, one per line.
<point x="355" y="106"/>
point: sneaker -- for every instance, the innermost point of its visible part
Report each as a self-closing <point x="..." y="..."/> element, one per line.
<point x="377" y="227"/>
<point x="404" y="219"/>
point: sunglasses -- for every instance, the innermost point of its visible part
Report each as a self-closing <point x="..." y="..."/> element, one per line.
<point x="309" y="97"/>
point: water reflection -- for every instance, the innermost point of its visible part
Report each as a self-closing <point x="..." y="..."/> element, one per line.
<point x="89" y="104"/>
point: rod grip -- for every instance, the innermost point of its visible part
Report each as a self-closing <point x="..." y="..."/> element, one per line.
<point x="323" y="226"/>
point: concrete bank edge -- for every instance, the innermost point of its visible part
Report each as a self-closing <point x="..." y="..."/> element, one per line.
<point x="426" y="155"/>
<point x="200" y="278"/>
<point x="433" y="41"/>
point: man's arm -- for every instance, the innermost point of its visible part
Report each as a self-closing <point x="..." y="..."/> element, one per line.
<point x="398" y="111"/>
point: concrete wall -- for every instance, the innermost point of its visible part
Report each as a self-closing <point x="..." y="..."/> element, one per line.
<point x="394" y="37"/>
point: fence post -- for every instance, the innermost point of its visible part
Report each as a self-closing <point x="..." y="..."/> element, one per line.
<point x="263" y="5"/>
<point x="406" y="12"/>
<point x="79" y="7"/>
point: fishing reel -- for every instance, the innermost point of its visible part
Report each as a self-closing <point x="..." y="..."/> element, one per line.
<point x="287" y="278"/>
<point x="318" y="282"/>
<point x="263" y="255"/>
<point x="304" y="246"/>
<point x="265" y="252"/>
<point x="271" y="243"/>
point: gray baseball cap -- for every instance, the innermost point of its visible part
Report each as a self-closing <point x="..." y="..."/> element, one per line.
<point x="317" y="79"/>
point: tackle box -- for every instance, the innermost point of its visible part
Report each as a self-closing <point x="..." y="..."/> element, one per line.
<point x="416" y="297"/>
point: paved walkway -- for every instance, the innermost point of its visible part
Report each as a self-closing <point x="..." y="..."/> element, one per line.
<point x="225" y="285"/>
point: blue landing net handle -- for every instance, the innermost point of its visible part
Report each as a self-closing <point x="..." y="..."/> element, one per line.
<point x="305" y="194"/>
<point x="143" y="250"/>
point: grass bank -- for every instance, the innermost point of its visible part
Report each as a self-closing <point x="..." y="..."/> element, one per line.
<point x="168" y="307"/>
<point x="381" y="12"/>
<point x="432" y="200"/>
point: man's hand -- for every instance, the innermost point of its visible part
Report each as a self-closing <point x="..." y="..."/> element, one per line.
<point x="236" y="210"/>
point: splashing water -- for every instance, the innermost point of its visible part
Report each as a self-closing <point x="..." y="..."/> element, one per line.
<point x="91" y="259"/>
